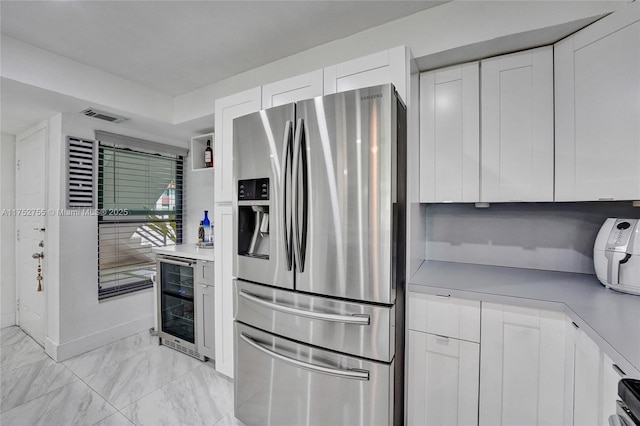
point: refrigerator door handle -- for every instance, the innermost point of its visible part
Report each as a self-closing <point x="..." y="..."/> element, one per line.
<point x="347" y="374"/>
<point x="347" y="319"/>
<point x="286" y="163"/>
<point x="300" y="238"/>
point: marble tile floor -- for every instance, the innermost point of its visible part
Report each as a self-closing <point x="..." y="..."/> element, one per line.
<point x="133" y="381"/>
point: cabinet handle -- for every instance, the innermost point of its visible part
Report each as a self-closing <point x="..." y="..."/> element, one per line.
<point x="605" y="199"/>
<point x="441" y="337"/>
<point x="575" y="325"/>
<point x="443" y="295"/>
<point x="618" y="370"/>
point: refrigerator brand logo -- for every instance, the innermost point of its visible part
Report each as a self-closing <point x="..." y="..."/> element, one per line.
<point x="369" y="97"/>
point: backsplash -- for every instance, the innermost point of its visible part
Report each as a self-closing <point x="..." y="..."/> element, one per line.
<point x="549" y="236"/>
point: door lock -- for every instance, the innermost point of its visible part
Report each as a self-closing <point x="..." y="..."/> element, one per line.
<point x="38" y="255"/>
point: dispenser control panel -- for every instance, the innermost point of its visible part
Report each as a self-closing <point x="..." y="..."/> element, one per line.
<point x="621" y="234"/>
<point x="253" y="189"/>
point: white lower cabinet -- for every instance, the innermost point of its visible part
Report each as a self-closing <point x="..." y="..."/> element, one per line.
<point x="204" y="296"/>
<point x="593" y="381"/>
<point x="444" y="360"/>
<point x="205" y="326"/>
<point x="522" y="366"/>
<point x="224" y="289"/>
<point x="530" y="367"/>
<point x="443" y="380"/>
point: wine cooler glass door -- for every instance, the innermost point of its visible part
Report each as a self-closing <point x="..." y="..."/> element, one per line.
<point x="176" y="301"/>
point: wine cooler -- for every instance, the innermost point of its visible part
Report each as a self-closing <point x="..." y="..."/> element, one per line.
<point x="177" y="307"/>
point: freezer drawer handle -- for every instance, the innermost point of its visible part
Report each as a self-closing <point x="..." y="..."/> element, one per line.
<point x="349" y="319"/>
<point x="347" y="374"/>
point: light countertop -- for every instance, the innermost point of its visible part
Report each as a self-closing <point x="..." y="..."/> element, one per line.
<point x="610" y="318"/>
<point x="189" y="251"/>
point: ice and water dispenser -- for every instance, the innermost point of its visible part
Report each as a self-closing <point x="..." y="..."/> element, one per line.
<point x="253" y="218"/>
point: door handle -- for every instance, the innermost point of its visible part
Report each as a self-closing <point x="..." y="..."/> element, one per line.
<point x="347" y="374"/>
<point x="300" y="238"/>
<point x="38" y="255"/>
<point x="286" y="160"/>
<point x="347" y="319"/>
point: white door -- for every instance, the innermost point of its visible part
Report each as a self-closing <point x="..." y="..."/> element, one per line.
<point x="517" y="127"/>
<point x="223" y="290"/>
<point x="450" y="134"/>
<point x="522" y="360"/>
<point x="30" y="224"/>
<point x="443" y="380"/>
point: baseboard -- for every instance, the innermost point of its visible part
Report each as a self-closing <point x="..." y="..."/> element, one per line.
<point x="8" y="320"/>
<point x="63" y="351"/>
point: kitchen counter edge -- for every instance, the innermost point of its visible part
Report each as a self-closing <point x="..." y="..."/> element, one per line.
<point x="189" y="251"/>
<point x="605" y="315"/>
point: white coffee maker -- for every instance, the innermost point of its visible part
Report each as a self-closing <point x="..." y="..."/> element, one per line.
<point x="616" y="255"/>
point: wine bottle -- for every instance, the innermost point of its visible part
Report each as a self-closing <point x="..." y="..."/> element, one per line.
<point x="201" y="232"/>
<point x="208" y="155"/>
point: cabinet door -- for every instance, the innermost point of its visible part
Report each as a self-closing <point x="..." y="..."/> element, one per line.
<point x="517" y="127"/>
<point x="293" y="89"/>
<point x="587" y="381"/>
<point x="611" y="375"/>
<point x="224" y="290"/>
<point x="226" y="110"/>
<point x="389" y="66"/>
<point x="443" y="378"/>
<point x="450" y="134"/>
<point x="522" y="354"/>
<point x="205" y="324"/>
<point x="597" y="73"/>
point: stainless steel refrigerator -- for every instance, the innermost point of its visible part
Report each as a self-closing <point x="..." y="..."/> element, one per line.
<point x="319" y="264"/>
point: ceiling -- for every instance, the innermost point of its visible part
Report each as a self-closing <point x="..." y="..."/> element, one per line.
<point x="175" y="47"/>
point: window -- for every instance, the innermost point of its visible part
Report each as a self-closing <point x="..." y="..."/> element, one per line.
<point x="140" y="201"/>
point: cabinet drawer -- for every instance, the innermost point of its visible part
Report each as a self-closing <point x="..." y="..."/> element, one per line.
<point x="204" y="272"/>
<point x="445" y="316"/>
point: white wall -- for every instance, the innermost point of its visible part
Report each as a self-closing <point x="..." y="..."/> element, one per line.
<point x="549" y="236"/>
<point x="31" y="65"/>
<point x="7" y="231"/>
<point x="77" y="321"/>
<point x="442" y="28"/>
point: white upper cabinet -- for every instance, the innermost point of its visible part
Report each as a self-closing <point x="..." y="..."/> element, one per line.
<point x="517" y="127"/>
<point x="450" y="134"/>
<point x="597" y="74"/>
<point x="388" y="66"/>
<point x="227" y="109"/>
<point x="293" y="89"/>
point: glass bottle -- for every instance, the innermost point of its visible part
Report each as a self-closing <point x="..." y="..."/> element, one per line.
<point x="207" y="227"/>
<point x="201" y="232"/>
<point x="208" y="155"/>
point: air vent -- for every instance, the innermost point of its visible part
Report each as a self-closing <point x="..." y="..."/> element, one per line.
<point x="102" y="115"/>
<point x="81" y="172"/>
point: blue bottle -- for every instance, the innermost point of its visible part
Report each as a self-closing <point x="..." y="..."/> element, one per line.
<point x="207" y="225"/>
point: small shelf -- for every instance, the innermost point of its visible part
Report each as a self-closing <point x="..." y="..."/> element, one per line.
<point x="198" y="145"/>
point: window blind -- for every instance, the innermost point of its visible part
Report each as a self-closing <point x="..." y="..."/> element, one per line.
<point x="140" y="199"/>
